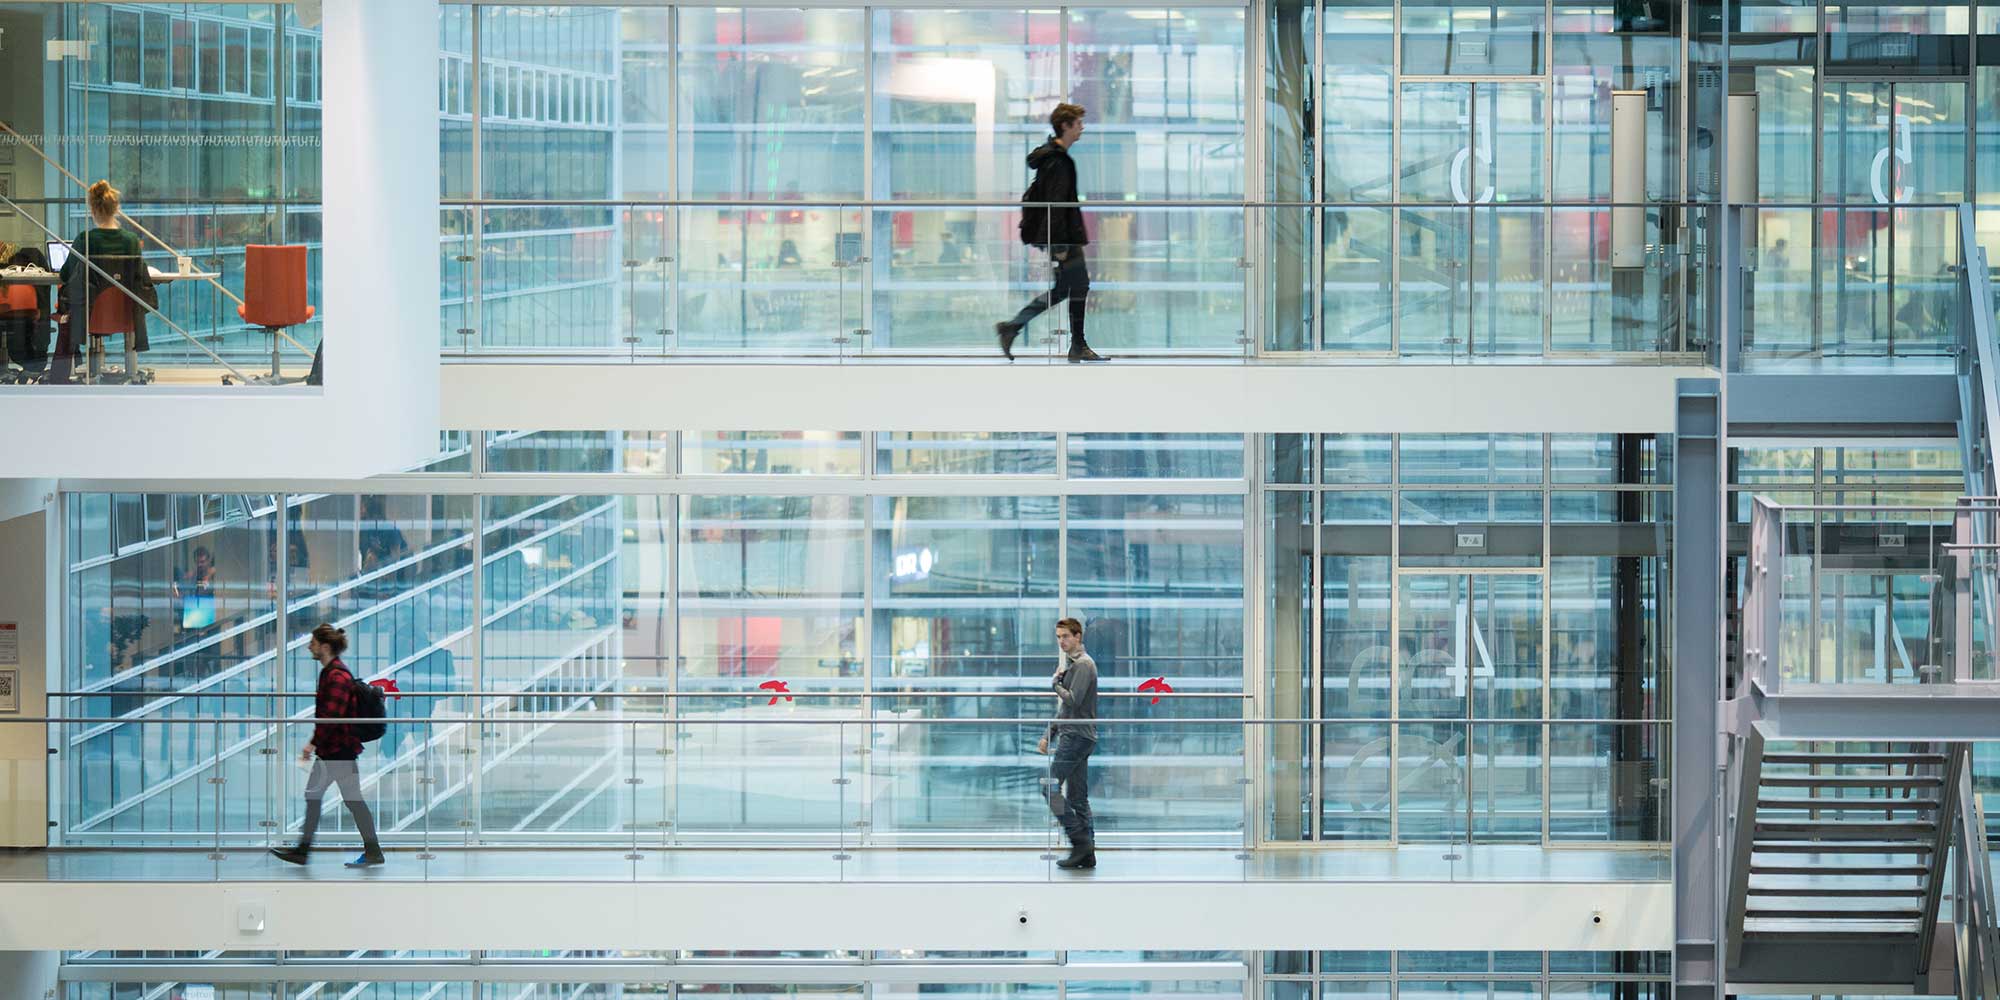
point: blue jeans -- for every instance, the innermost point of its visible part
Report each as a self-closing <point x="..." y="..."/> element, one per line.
<point x="1068" y="789"/>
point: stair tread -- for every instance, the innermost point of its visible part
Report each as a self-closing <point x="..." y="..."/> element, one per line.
<point x="1850" y="780"/>
<point x="1835" y="758"/>
<point x="1918" y="871"/>
<point x="1833" y="830"/>
<point x="1848" y="804"/>
<point x="1840" y="847"/>
<point x="1831" y="915"/>
<point x="1862" y="930"/>
<point x="1835" y="892"/>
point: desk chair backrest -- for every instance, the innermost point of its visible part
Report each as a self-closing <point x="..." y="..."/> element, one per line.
<point x="18" y="299"/>
<point x="274" y="286"/>
<point x="110" y="313"/>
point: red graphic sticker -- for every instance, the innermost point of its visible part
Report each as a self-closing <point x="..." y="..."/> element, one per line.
<point x="1159" y="686"/>
<point x="777" y="686"/>
<point x="388" y="686"/>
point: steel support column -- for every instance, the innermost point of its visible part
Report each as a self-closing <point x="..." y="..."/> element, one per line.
<point x="1697" y="683"/>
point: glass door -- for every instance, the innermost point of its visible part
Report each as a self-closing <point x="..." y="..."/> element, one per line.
<point x="1472" y="267"/>
<point x="1469" y="664"/>
<point x="1893" y="168"/>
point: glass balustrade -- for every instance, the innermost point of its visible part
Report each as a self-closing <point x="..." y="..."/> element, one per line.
<point x="660" y="786"/>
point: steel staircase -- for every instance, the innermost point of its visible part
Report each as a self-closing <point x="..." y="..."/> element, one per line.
<point x="1842" y="865"/>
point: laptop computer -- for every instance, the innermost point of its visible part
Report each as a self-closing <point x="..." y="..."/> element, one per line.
<point x="58" y="254"/>
<point x="198" y="611"/>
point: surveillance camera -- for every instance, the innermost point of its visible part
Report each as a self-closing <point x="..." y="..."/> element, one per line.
<point x="1597" y="916"/>
<point x="1021" y="916"/>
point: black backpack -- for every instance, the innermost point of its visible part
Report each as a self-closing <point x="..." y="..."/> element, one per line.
<point x="368" y="704"/>
<point x="1034" y="220"/>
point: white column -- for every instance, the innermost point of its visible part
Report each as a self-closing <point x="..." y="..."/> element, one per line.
<point x="30" y="585"/>
<point x="28" y="975"/>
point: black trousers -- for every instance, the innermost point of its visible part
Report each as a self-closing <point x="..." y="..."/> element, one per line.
<point x="1072" y="283"/>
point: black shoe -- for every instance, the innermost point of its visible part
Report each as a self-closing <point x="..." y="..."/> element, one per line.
<point x="1006" y="332"/>
<point x="368" y="859"/>
<point x="291" y="855"/>
<point x="1079" y="857"/>
<point x="1082" y="352"/>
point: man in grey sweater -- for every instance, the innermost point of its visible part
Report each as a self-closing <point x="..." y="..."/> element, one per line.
<point x="1074" y="733"/>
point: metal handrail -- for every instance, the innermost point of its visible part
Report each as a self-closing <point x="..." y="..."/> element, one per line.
<point x="816" y="203"/>
<point x="586" y="693"/>
<point x="716" y="720"/>
<point x="1973" y="917"/>
<point x="1955" y="768"/>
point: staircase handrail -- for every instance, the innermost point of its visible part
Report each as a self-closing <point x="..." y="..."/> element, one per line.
<point x="1950" y="808"/>
<point x="1973" y="918"/>
<point x="1980" y="355"/>
<point x="1746" y="770"/>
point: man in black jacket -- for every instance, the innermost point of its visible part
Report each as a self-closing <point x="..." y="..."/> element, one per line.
<point x="1059" y="230"/>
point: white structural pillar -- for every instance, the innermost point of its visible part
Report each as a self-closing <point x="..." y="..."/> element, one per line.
<point x="1628" y="178"/>
<point x="28" y="647"/>
<point x="1740" y="180"/>
<point x="28" y="975"/>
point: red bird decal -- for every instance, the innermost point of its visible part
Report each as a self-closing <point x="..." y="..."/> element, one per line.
<point x="388" y="686"/>
<point x="777" y="686"/>
<point x="1158" y="685"/>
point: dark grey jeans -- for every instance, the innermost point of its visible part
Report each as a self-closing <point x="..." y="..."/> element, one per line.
<point x="1072" y="283"/>
<point x="1068" y="789"/>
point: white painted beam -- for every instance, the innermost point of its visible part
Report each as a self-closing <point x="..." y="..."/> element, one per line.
<point x="1069" y="913"/>
<point x="1133" y="396"/>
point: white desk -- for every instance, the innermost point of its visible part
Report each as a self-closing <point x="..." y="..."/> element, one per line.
<point x="169" y="277"/>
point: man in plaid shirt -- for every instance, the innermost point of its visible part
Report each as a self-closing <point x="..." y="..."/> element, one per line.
<point x="334" y="751"/>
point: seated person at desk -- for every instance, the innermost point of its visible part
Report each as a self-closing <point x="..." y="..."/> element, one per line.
<point x="116" y="253"/>
<point x="24" y="328"/>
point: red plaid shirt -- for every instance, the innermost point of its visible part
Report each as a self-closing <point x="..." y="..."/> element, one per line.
<point x="335" y="700"/>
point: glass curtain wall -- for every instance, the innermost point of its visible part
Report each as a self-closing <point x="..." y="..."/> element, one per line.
<point x="1461" y="636"/>
<point x="1472" y="632"/>
<point x="1867" y="141"/>
<point x="929" y="580"/>
<point x="826" y="148"/>
<point x="206" y="116"/>
<point x="1456" y="162"/>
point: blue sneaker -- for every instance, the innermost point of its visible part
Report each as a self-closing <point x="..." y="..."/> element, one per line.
<point x="368" y="859"/>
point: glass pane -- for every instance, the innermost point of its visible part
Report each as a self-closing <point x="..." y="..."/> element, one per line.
<point x="771" y="102"/>
<point x="1165" y="89"/>
<point x="960" y="97"/>
<point x="972" y="453"/>
<point x="797" y="453"/>
<point x="1097" y="455"/>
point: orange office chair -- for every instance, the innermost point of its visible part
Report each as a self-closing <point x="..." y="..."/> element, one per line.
<point x="111" y="316"/>
<point x="17" y="302"/>
<point x="274" y="296"/>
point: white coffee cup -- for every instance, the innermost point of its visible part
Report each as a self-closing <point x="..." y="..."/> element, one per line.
<point x="186" y="264"/>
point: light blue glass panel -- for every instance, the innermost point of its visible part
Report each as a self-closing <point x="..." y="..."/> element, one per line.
<point x="1100" y="455"/>
<point x="1158" y="582"/>
<point x="961" y="96"/>
<point x="771" y="102"/>
<point x="1166" y="92"/>
<point x="971" y="453"/>
<point x="1472" y="458"/>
